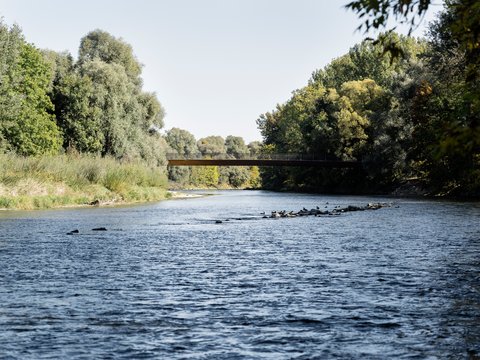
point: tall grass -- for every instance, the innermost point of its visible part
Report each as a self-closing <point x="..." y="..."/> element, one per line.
<point x="51" y="181"/>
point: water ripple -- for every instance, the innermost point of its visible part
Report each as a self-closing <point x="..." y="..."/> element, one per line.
<point x="165" y="281"/>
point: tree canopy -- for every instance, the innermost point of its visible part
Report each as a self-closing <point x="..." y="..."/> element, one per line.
<point x="27" y="123"/>
<point x="95" y="105"/>
<point x="405" y="117"/>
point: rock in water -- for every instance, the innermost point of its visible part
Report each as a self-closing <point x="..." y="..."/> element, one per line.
<point x="73" y="232"/>
<point x="99" y="229"/>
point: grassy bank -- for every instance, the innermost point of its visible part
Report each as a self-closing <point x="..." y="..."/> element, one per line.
<point x="73" y="180"/>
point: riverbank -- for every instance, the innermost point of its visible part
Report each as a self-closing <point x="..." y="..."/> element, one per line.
<point x="28" y="183"/>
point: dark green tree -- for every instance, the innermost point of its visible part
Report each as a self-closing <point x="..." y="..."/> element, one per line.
<point x="27" y="123"/>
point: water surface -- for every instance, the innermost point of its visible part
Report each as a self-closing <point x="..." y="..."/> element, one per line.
<point x="167" y="281"/>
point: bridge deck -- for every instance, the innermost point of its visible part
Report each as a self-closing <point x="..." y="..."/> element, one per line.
<point x="263" y="162"/>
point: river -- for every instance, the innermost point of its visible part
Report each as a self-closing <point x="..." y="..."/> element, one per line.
<point x="166" y="281"/>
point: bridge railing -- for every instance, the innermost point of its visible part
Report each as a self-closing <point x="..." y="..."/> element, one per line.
<point x="224" y="156"/>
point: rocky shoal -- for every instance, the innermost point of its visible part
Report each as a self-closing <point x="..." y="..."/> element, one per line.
<point x="337" y="210"/>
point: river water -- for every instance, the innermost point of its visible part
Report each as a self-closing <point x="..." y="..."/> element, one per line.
<point x="166" y="281"/>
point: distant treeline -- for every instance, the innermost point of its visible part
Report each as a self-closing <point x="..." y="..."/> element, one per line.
<point x="410" y="115"/>
<point x="184" y="143"/>
<point x="51" y="104"/>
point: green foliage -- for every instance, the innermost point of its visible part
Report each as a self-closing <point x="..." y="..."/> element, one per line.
<point x="408" y="117"/>
<point x="184" y="143"/>
<point x="447" y="117"/>
<point x="254" y="181"/>
<point x="27" y="125"/>
<point x="11" y="43"/>
<point x="211" y="145"/>
<point x="239" y="176"/>
<point x="378" y="12"/>
<point x="204" y="176"/>
<point x="254" y="148"/>
<point x="343" y="113"/>
<point x="235" y="146"/>
<point x="181" y="141"/>
<point x="78" y="119"/>
<point x="95" y="105"/>
<point x="100" y="105"/>
<point x="100" y="45"/>
<point x="369" y="60"/>
<point x="235" y="176"/>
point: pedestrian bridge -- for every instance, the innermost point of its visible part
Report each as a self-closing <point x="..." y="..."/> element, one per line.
<point x="309" y="160"/>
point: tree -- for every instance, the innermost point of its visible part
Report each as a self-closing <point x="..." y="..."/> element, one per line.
<point x="347" y="111"/>
<point x="78" y="114"/>
<point x="183" y="143"/>
<point x="27" y="122"/>
<point x="100" y="45"/>
<point x="211" y="145"/>
<point x="204" y="176"/>
<point x="235" y="176"/>
<point x="460" y="24"/>
<point x="100" y="105"/>
<point x="235" y="146"/>
<point x="254" y="148"/>
<point x="152" y="112"/>
<point x="368" y="60"/>
<point x="11" y="42"/>
<point x="378" y="12"/>
<point x="357" y="101"/>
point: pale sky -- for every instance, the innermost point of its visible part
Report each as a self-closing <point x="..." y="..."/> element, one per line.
<point x="215" y="65"/>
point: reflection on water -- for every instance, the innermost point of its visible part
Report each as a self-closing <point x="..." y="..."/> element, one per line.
<point x="167" y="281"/>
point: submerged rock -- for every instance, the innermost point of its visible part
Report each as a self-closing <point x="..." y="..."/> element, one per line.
<point x="76" y="231"/>
<point x="99" y="229"/>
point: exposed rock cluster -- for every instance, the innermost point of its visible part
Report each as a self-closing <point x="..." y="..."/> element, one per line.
<point x="337" y="210"/>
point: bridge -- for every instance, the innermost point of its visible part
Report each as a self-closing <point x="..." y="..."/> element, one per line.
<point x="308" y="160"/>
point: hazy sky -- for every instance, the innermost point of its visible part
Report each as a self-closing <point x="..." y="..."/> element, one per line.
<point x="216" y="65"/>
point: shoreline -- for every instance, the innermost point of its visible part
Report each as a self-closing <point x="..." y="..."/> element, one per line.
<point x="169" y="195"/>
<point x="184" y="195"/>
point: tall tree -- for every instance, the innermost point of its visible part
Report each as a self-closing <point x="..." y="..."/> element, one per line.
<point x="459" y="30"/>
<point x="100" y="105"/>
<point x="345" y="113"/>
<point x="27" y="123"/>
<point x="101" y="45"/>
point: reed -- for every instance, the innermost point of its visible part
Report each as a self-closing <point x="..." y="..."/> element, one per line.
<point x="75" y="179"/>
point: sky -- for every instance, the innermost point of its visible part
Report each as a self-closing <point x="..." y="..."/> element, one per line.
<point x="215" y="65"/>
